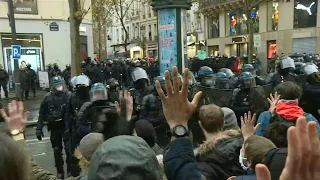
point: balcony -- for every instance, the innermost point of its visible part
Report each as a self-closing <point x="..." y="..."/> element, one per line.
<point x="209" y="6"/>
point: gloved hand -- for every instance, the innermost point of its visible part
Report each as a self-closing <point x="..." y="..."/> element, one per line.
<point x="39" y="134"/>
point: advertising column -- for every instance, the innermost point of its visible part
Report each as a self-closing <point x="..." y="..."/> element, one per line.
<point x="172" y="42"/>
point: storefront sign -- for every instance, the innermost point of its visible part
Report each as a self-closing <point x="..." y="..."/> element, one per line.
<point x="167" y="39"/>
<point x="54" y="26"/>
<point x="25" y="7"/>
<point x="257" y="40"/>
<point x="43" y="79"/>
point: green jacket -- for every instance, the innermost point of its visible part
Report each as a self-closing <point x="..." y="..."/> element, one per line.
<point x="36" y="172"/>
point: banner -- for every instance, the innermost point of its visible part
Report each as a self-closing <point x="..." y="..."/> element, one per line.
<point x="167" y="24"/>
<point x="25" y="7"/>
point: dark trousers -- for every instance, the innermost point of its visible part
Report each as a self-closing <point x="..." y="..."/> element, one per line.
<point x="74" y="162"/>
<point x="33" y="88"/>
<point x="58" y="140"/>
<point x="5" y="89"/>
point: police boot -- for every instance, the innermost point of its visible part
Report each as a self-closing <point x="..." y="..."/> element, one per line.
<point x="60" y="175"/>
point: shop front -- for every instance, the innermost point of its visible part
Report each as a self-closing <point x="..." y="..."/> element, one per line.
<point x="304" y="45"/>
<point x="152" y="50"/>
<point x="271" y="48"/>
<point x="239" y="47"/>
<point x="136" y="52"/>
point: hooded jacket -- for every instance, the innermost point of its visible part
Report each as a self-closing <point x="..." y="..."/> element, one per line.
<point x="218" y="157"/>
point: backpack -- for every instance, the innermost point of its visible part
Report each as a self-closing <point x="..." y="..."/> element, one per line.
<point x="275" y="160"/>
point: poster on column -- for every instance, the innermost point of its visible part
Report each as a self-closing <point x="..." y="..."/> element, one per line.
<point x="167" y="24"/>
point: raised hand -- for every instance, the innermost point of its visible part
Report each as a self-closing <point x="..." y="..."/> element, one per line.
<point x="126" y="95"/>
<point x="17" y="118"/>
<point x="273" y="100"/>
<point x="176" y="107"/>
<point x="303" y="160"/>
<point x="247" y="125"/>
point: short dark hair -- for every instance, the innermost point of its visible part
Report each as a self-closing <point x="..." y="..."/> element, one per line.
<point x="289" y="90"/>
<point x="256" y="148"/>
<point x="14" y="161"/>
<point x="211" y="118"/>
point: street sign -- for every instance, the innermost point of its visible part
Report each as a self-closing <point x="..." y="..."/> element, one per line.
<point x="16" y="51"/>
<point x="257" y="40"/>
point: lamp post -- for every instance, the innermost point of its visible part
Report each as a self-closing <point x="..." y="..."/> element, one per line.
<point x="172" y="33"/>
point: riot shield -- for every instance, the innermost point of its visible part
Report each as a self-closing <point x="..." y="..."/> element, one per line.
<point x="219" y="97"/>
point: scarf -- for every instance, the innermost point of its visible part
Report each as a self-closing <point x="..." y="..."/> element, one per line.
<point x="289" y="110"/>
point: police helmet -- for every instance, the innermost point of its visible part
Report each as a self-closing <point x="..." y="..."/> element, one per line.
<point x="82" y="80"/>
<point x="287" y="62"/>
<point x="28" y="65"/>
<point x="138" y="74"/>
<point x="58" y="84"/>
<point x="222" y="80"/>
<point x="98" y="91"/>
<point x="228" y="72"/>
<point x="191" y="79"/>
<point x="310" y="69"/>
<point x="161" y="79"/>
<point x="247" y="80"/>
<point x="68" y="66"/>
<point x="112" y="83"/>
<point x="205" y="71"/>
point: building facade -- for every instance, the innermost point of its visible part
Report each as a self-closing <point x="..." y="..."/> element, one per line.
<point x="142" y="26"/>
<point x="43" y="31"/>
<point x="279" y="27"/>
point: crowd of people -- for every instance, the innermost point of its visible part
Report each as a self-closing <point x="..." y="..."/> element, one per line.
<point x="127" y="123"/>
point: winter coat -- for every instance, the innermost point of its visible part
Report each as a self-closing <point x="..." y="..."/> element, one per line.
<point x="4" y="77"/>
<point x="218" y="157"/>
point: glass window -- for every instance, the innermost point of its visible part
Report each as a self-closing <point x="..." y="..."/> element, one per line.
<point x="236" y="22"/>
<point x="213" y="27"/>
<point x="305" y="13"/>
<point x="273" y="16"/>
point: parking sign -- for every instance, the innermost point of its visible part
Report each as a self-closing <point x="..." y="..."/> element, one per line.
<point x="16" y="51"/>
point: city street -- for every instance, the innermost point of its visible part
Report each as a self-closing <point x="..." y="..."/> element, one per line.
<point x="40" y="150"/>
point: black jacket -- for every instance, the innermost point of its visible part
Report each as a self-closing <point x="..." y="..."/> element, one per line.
<point x="4" y="77"/>
<point x="218" y="158"/>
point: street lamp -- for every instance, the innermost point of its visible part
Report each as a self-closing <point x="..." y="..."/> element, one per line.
<point x="172" y="33"/>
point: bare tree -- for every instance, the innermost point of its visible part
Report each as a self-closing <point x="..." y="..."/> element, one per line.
<point x="102" y="18"/>
<point x="77" y="13"/>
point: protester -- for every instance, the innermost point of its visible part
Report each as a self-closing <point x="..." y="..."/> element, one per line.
<point x="230" y="119"/>
<point x="284" y="108"/>
<point x="146" y="131"/>
<point x="85" y="150"/>
<point x="218" y="156"/>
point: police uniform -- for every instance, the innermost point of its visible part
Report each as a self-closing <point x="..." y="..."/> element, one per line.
<point x="52" y="110"/>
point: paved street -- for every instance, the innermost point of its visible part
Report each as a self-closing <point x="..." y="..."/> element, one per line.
<point x="40" y="150"/>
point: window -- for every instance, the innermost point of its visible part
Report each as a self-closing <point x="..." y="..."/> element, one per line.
<point x="213" y="27"/>
<point x="117" y="34"/>
<point x="198" y="20"/>
<point x="305" y="13"/>
<point x="188" y="23"/>
<point x="237" y="22"/>
<point x="155" y="29"/>
<point x="273" y="16"/>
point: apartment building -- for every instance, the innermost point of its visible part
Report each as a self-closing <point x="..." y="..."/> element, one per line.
<point x="279" y="27"/>
<point x="143" y="32"/>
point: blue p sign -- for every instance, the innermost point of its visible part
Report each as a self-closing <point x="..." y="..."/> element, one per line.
<point x="16" y="51"/>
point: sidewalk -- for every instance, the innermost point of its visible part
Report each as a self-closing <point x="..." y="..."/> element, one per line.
<point x="32" y="105"/>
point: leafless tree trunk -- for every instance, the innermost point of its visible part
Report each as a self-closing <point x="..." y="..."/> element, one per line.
<point x="75" y="38"/>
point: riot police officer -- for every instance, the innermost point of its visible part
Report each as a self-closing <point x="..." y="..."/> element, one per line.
<point x="141" y="88"/>
<point x="233" y="81"/>
<point x="310" y="100"/>
<point x="285" y="70"/>
<point x="249" y="68"/>
<point x="222" y="81"/>
<point x="113" y="90"/>
<point x="90" y="112"/>
<point x="66" y="74"/>
<point x="240" y="99"/>
<point x="78" y="98"/>
<point x="52" y="110"/>
<point x="205" y="75"/>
